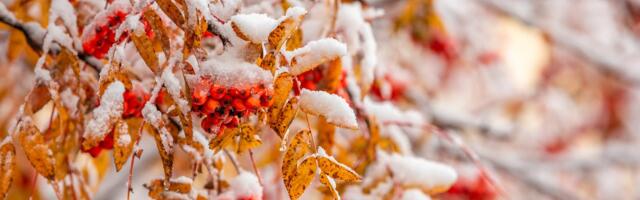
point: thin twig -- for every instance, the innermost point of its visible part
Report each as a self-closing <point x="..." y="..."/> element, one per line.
<point x="255" y="168"/>
<point x="233" y="161"/>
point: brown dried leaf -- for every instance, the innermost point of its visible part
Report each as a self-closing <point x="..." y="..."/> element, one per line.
<point x="268" y="62"/>
<point x="164" y="143"/>
<point x="7" y="165"/>
<point x="122" y="144"/>
<point x="172" y="11"/>
<point x="35" y="148"/>
<point x="248" y="138"/>
<point x="146" y="50"/>
<point x="285" y="117"/>
<point x="155" y="187"/>
<point x="337" y="170"/>
<point x="331" y="184"/>
<point x="159" y="30"/>
<point x="302" y="178"/>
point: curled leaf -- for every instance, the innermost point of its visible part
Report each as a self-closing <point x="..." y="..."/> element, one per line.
<point x="303" y="177"/>
<point x="331" y="184"/>
<point x="337" y="170"/>
<point x="298" y="147"/>
<point x="248" y="138"/>
<point x="146" y="50"/>
<point x="285" y="117"/>
<point x="123" y="145"/>
<point x="7" y="165"/>
<point x="36" y="149"/>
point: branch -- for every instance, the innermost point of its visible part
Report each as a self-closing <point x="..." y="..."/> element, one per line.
<point x="34" y="35"/>
<point x="607" y="60"/>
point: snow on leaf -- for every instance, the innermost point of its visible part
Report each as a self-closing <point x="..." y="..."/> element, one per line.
<point x="123" y="145"/>
<point x="7" y="165"/>
<point x="313" y="54"/>
<point x="408" y="171"/>
<point x="159" y="29"/>
<point x="335" y="169"/>
<point x="181" y="184"/>
<point x="330" y="106"/>
<point x="414" y="194"/>
<point x="35" y="148"/>
<point x="105" y="115"/>
<point x="331" y="184"/>
<point x="164" y="143"/>
<point x="229" y="71"/>
<point x="253" y="27"/>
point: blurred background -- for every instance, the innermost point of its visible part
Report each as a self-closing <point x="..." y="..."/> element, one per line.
<point x="543" y="92"/>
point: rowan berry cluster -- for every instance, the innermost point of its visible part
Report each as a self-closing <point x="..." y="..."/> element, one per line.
<point x="103" y="35"/>
<point x="224" y="107"/>
<point x="134" y="101"/>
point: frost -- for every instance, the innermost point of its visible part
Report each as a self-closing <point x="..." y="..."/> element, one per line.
<point x="246" y="186"/>
<point x="314" y="53"/>
<point x="255" y="26"/>
<point x="411" y="171"/>
<point x="331" y="106"/>
<point x="64" y="10"/>
<point x="194" y="63"/>
<point x="110" y="109"/>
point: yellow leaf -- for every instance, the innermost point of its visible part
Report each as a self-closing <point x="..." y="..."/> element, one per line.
<point x="331" y="184"/>
<point x="248" y="138"/>
<point x="223" y="140"/>
<point x="282" y="33"/>
<point x="295" y="41"/>
<point x="7" y="165"/>
<point x="36" y="150"/>
<point x="122" y="144"/>
<point x="172" y="11"/>
<point x="155" y="188"/>
<point x="302" y="178"/>
<point x="146" y="50"/>
<point x="285" y="117"/>
<point x="297" y="148"/>
<point x="337" y="170"/>
<point x="239" y="32"/>
<point x="183" y="187"/>
<point x="281" y="89"/>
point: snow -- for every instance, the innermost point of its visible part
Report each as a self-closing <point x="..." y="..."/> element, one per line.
<point x="151" y="114"/>
<point x="7" y="15"/>
<point x="255" y="26"/>
<point x="314" y="53"/>
<point x="182" y="180"/>
<point x="70" y="100"/>
<point x="174" y="88"/>
<point x="56" y="34"/>
<point x="295" y="11"/>
<point x="331" y="106"/>
<point x="124" y="140"/>
<point x="386" y="112"/>
<point x="65" y="11"/>
<point x="322" y="153"/>
<point x="411" y="171"/>
<point x="246" y="186"/>
<point x="41" y="73"/>
<point x="111" y="108"/>
<point x="194" y="63"/>
<point x="229" y="71"/>
<point x="414" y="194"/>
<point x="101" y="18"/>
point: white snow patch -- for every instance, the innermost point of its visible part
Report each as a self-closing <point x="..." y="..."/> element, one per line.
<point x="331" y="106"/>
<point x="110" y="109"/>
<point x="255" y="26"/>
<point x="314" y="53"/>
<point x="246" y="186"/>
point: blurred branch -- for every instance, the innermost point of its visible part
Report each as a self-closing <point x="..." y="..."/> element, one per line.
<point x="609" y="62"/>
<point x="30" y="31"/>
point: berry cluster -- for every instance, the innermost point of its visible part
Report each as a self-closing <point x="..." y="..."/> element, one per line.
<point x="475" y="188"/>
<point x="224" y="107"/>
<point x="134" y="101"/>
<point x="397" y="88"/>
<point x="103" y="35"/>
<point x="311" y="79"/>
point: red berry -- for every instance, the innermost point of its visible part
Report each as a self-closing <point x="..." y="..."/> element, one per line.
<point x="253" y="102"/>
<point x="95" y="151"/>
<point x="210" y="106"/>
<point x="200" y="93"/>
<point x="217" y="92"/>
<point x="238" y="105"/>
<point x="107" y="142"/>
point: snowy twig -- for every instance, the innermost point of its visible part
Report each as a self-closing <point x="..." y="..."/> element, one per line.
<point x="28" y="29"/>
